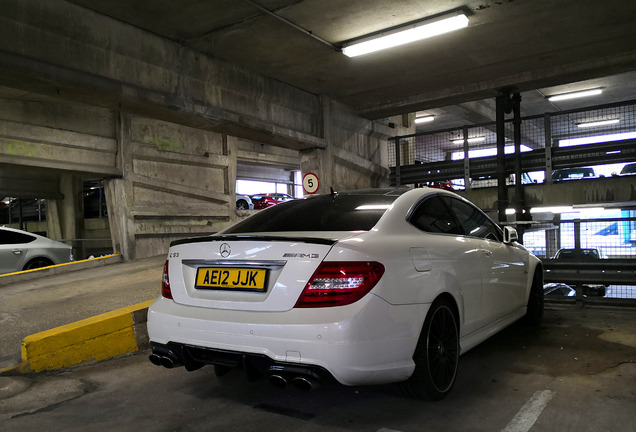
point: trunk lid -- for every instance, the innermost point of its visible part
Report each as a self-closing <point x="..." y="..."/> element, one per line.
<point x="265" y="273"/>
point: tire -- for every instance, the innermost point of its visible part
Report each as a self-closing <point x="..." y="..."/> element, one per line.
<point x="242" y="205"/>
<point x="38" y="263"/>
<point x="436" y="355"/>
<point x="534" y="312"/>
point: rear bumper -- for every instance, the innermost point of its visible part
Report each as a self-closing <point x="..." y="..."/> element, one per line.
<point x="253" y="365"/>
<point x="368" y="342"/>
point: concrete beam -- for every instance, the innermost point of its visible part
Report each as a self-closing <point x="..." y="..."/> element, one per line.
<point x="68" y="52"/>
<point x="601" y="191"/>
<point x="472" y="87"/>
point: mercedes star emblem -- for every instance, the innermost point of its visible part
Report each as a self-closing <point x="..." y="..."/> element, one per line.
<point x="225" y="250"/>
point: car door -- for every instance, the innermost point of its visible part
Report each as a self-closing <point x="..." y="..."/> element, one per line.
<point x="12" y="250"/>
<point x="503" y="266"/>
<point x="455" y="258"/>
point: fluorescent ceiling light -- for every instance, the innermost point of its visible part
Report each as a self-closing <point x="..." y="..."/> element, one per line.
<point x="488" y="152"/>
<point x="562" y="209"/>
<point x="598" y="123"/>
<point x="470" y="140"/>
<point x="424" y="119"/>
<point x="597" y="139"/>
<point x="576" y="94"/>
<point x="407" y="34"/>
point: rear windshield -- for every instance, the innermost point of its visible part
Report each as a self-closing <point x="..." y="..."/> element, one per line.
<point x="342" y="212"/>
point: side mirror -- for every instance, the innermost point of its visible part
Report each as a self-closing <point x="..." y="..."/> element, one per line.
<point x="510" y="234"/>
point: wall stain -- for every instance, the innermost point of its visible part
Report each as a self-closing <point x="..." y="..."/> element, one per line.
<point x="165" y="144"/>
<point x="20" y="148"/>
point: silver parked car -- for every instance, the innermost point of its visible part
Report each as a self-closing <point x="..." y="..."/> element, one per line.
<point x="243" y="202"/>
<point x="21" y="250"/>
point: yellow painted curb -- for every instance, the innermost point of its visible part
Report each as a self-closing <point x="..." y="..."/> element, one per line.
<point x="93" y="339"/>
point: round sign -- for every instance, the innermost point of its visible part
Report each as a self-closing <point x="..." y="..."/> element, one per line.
<point x="310" y="183"/>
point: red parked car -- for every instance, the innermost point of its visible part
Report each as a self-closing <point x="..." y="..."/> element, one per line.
<point x="262" y="201"/>
<point x="445" y="184"/>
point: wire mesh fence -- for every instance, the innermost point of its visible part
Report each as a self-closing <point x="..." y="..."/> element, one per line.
<point x="596" y="244"/>
<point x="466" y="156"/>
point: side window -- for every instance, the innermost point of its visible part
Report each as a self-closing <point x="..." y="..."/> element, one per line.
<point x="10" y="237"/>
<point x="433" y="216"/>
<point x="473" y="221"/>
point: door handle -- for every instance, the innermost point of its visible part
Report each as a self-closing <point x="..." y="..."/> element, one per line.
<point x="486" y="252"/>
<point x="16" y="251"/>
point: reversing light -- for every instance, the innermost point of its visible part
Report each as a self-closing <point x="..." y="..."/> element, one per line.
<point x="165" y="283"/>
<point x="340" y="283"/>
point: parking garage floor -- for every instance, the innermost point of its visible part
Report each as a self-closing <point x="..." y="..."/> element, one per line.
<point x="576" y="372"/>
<point x="36" y="305"/>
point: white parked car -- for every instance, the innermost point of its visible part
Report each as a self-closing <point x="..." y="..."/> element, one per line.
<point x="244" y="202"/>
<point x="21" y="250"/>
<point x="362" y="287"/>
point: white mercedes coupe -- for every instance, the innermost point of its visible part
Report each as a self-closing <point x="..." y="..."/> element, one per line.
<point x="357" y="288"/>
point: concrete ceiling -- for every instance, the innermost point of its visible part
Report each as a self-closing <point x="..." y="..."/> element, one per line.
<point x="537" y="47"/>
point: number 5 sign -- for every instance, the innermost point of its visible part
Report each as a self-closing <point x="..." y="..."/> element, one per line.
<point x="310" y="183"/>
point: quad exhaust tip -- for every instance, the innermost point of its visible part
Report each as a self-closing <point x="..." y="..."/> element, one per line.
<point x="305" y="384"/>
<point x="170" y="360"/>
<point x="166" y="360"/>
<point x="278" y="381"/>
<point x="300" y="382"/>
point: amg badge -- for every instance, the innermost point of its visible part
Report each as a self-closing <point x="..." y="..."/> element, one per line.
<point x="300" y="255"/>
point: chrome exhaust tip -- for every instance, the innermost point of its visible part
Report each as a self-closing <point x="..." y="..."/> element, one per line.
<point x="278" y="381"/>
<point x="167" y="362"/>
<point x="305" y="384"/>
<point x="155" y="359"/>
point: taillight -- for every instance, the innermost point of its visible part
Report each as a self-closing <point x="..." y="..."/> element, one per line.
<point x="340" y="283"/>
<point x="165" y="283"/>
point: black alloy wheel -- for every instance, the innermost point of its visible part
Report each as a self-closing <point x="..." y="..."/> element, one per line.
<point x="534" y="311"/>
<point x="38" y="263"/>
<point x="436" y="355"/>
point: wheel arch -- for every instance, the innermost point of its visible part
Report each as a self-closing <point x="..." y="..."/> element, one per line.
<point x="534" y="270"/>
<point x="38" y="258"/>
<point x="446" y="296"/>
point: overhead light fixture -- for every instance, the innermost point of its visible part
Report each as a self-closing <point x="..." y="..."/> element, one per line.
<point x="424" y="119"/>
<point x="484" y="152"/>
<point x="598" y="123"/>
<point x="406" y="34"/>
<point x="470" y="140"/>
<point x="556" y="209"/>
<point x="576" y="94"/>
<point x="597" y="139"/>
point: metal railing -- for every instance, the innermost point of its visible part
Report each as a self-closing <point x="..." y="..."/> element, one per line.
<point x="608" y="273"/>
<point x="466" y="153"/>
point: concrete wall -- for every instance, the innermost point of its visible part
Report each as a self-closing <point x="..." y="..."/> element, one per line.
<point x="56" y="48"/>
<point x="86" y="95"/>
<point x="177" y="182"/>
<point x="357" y="155"/>
<point x="47" y="134"/>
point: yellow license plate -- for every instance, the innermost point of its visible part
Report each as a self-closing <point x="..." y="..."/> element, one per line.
<point x="231" y="278"/>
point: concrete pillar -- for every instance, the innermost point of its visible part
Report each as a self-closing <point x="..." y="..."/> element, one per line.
<point x="318" y="161"/>
<point x="503" y="106"/>
<point x="552" y="242"/>
<point x="119" y="195"/>
<point x="64" y="218"/>
<point x="118" y="200"/>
